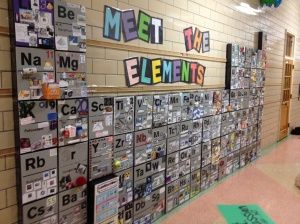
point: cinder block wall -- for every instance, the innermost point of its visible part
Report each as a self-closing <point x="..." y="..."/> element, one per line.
<point x="105" y="66"/>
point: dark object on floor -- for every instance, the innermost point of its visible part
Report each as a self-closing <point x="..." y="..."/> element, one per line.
<point x="297" y="181"/>
<point x="296" y="131"/>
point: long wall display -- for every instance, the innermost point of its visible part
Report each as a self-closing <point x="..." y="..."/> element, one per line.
<point x="164" y="148"/>
<point x="51" y="110"/>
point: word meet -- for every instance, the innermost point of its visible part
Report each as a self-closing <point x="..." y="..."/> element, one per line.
<point x="151" y="72"/>
<point x="117" y="21"/>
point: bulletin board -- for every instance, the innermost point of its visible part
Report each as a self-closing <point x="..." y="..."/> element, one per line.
<point x="50" y="110"/>
<point x="164" y="147"/>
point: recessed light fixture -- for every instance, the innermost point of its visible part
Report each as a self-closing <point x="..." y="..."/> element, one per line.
<point x="247" y="9"/>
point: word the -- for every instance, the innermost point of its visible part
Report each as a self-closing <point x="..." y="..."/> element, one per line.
<point x="149" y="72"/>
<point x="147" y="28"/>
<point x="196" y="40"/>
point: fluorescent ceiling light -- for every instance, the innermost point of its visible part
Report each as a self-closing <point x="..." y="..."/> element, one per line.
<point x="247" y="9"/>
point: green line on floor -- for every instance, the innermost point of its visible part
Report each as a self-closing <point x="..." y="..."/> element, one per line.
<point x="244" y="214"/>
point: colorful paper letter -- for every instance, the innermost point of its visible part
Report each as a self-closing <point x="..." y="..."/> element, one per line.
<point x="185" y="71"/>
<point x="156" y="31"/>
<point x="176" y="70"/>
<point x="205" y="42"/>
<point x="144" y="26"/>
<point x="188" y="38"/>
<point x="197" y="40"/>
<point x="156" y="71"/>
<point x="167" y="68"/>
<point x="129" y="25"/>
<point x="132" y="71"/>
<point x="112" y="23"/>
<point x="200" y="74"/>
<point x="193" y="70"/>
<point x="146" y="71"/>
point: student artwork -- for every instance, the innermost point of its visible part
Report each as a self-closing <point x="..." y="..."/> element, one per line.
<point x="174" y="108"/>
<point x="146" y="28"/>
<point x="207" y="129"/>
<point x="38" y="130"/>
<point x="75" y="214"/>
<point x="208" y="103"/>
<point x="39" y="175"/>
<point x="225" y="101"/>
<point x="196" y="40"/>
<point x="125" y="187"/>
<point x="186" y="131"/>
<point x="72" y="166"/>
<point x="186" y="106"/>
<point x="70" y="27"/>
<point x="195" y="183"/>
<point x="151" y="72"/>
<point x="72" y="84"/>
<point x="123" y="115"/>
<point x="216" y="126"/>
<point x="70" y="74"/>
<point x="73" y="121"/>
<point x="123" y="152"/>
<point x="146" y="186"/>
<point x="206" y="154"/>
<point x="73" y="131"/>
<point x="242" y="56"/>
<point x="143" y="146"/>
<point x="172" y="195"/>
<point x="101" y="155"/>
<point x="148" y="209"/>
<point x="101" y="117"/>
<point x="160" y="110"/>
<point x="205" y="177"/>
<point x="39" y="186"/>
<point x="50" y="215"/>
<point x="35" y="69"/>
<point x="143" y="112"/>
<point x="217" y="102"/>
<point x="37" y="136"/>
<point x="31" y="112"/>
<point x="229" y="164"/>
<point x="34" y="23"/>
<point x="125" y="214"/>
<point x="73" y="108"/>
<point x="197" y="132"/>
<point x="185" y="186"/>
<point x="195" y="157"/>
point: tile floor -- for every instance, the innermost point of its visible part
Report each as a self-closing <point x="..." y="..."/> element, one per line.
<point x="269" y="182"/>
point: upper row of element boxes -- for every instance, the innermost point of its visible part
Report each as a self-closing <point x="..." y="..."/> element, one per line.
<point x="241" y="56"/>
<point x="36" y="68"/>
<point x="49" y="24"/>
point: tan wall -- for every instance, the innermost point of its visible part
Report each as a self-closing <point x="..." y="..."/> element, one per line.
<point x="105" y="65"/>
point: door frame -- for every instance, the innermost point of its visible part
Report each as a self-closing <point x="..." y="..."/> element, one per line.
<point x="286" y="60"/>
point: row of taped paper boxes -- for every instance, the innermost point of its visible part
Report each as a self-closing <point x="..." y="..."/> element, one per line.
<point x="122" y="132"/>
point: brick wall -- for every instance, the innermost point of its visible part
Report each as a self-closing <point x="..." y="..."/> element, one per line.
<point x="105" y="65"/>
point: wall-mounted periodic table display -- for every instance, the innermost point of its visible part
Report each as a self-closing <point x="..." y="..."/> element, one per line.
<point x="137" y="157"/>
<point x="159" y="165"/>
<point x="51" y="111"/>
<point x="245" y="79"/>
